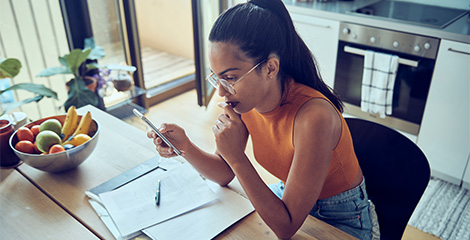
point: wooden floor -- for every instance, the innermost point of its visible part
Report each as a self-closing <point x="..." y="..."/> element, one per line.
<point x="197" y="122"/>
<point x="158" y="67"/>
<point x="161" y="67"/>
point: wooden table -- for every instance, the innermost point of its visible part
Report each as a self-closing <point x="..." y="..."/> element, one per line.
<point x="121" y="147"/>
<point x="26" y="213"/>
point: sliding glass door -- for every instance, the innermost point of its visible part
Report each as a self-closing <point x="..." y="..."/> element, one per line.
<point x="205" y="12"/>
<point x="166" y="40"/>
<point x="155" y="36"/>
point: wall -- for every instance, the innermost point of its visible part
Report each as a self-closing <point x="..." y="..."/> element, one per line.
<point x="166" y="25"/>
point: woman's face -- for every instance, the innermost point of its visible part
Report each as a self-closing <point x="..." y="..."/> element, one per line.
<point x="229" y="63"/>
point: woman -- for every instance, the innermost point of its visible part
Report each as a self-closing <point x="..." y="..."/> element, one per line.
<point x="274" y="93"/>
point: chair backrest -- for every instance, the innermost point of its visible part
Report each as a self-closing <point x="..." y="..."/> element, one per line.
<point x="396" y="173"/>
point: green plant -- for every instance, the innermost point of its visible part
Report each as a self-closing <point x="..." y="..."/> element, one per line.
<point x="83" y="65"/>
<point x="9" y="68"/>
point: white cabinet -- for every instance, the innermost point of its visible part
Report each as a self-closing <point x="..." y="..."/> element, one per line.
<point x="466" y="177"/>
<point x="321" y="37"/>
<point x="444" y="135"/>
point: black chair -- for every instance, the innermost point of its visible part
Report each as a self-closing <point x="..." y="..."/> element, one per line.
<point x="396" y="173"/>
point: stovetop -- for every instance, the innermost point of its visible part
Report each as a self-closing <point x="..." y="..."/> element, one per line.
<point x="414" y="13"/>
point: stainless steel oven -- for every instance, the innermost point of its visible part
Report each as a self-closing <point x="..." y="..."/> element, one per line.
<point x="417" y="56"/>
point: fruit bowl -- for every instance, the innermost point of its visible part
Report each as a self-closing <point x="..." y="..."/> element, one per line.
<point x="61" y="161"/>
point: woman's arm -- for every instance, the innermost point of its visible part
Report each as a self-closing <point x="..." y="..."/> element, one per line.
<point x="210" y="165"/>
<point x="317" y="129"/>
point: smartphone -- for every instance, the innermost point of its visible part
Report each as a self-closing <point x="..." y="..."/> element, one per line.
<point x="150" y="124"/>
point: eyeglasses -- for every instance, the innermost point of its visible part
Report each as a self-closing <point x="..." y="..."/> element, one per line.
<point x="215" y="81"/>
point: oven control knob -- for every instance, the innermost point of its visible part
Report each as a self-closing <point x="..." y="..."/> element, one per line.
<point x="417" y="48"/>
<point x="396" y="44"/>
<point x="373" y="39"/>
<point x="346" y="30"/>
<point x="427" y="46"/>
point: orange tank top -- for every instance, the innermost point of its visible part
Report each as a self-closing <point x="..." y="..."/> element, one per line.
<point x="272" y="137"/>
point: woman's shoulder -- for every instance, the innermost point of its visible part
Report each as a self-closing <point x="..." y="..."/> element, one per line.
<point x="316" y="109"/>
<point x="318" y="117"/>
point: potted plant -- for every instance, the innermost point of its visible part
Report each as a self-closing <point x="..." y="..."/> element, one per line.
<point x="89" y="78"/>
<point x="9" y="68"/>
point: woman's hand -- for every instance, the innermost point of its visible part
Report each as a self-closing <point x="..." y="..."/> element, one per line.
<point x="175" y="134"/>
<point x="230" y="133"/>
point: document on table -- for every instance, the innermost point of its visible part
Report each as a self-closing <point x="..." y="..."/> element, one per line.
<point x="132" y="206"/>
<point x="207" y="221"/>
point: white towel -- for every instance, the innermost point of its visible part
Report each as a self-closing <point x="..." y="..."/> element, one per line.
<point x="378" y="79"/>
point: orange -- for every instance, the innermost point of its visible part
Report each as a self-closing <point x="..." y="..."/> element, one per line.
<point x="36" y="149"/>
<point x="35" y="130"/>
<point x="56" y="148"/>
<point x="23" y="133"/>
<point x="25" y="146"/>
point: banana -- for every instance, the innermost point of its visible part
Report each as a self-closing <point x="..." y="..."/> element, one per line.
<point x="70" y="123"/>
<point x="83" y="127"/>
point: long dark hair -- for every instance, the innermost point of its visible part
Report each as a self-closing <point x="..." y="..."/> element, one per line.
<point x="262" y="27"/>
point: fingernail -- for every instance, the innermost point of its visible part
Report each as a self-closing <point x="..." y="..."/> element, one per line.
<point x="222" y="104"/>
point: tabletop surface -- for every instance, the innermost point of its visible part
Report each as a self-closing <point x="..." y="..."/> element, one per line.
<point x="121" y="147"/>
<point x="26" y="212"/>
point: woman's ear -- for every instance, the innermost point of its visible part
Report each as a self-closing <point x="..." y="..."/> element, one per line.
<point x="272" y="65"/>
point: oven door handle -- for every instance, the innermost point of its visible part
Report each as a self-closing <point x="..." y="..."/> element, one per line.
<point x="362" y="52"/>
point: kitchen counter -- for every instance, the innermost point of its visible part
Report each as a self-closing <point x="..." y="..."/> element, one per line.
<point x="340" y="11"/>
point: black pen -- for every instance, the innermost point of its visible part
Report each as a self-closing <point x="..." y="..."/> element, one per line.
<point x="157" y="194"/>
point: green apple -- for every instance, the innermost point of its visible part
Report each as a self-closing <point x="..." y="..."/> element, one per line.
<point x="45" y="139"/>
<point x="52" y="125"/>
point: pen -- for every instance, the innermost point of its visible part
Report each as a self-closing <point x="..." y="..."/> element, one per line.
<point x="157" y="194"/>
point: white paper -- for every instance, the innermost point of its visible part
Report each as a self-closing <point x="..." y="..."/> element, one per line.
<point x="132" y="206"/>
<point x="103" y="214"/>
<point x="205" y="222"/>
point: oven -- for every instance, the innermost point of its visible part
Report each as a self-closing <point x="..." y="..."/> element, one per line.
<point x="417" y="57"/>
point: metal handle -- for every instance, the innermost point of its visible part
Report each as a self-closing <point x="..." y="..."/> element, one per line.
<point x="362" y="52"/>
<point x="319" y="25"/>
<point x="310" y="23"/>
<point x="314" y="24"/>
<point x="457" y="51"/>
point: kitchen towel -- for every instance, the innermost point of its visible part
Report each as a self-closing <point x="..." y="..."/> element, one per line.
<point x="378" y="79"/>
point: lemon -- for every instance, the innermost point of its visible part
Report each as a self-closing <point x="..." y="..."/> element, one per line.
<point x="80" y="139"/>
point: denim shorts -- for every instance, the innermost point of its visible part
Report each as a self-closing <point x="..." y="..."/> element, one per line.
<point x="350" y="211"/>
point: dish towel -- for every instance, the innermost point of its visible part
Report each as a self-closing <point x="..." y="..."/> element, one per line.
<point x="378" y="79"/>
